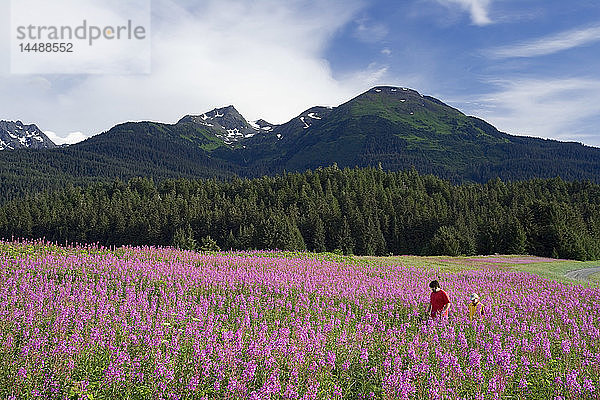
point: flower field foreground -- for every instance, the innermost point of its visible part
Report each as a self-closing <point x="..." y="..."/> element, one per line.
<point x="88" y="322"/>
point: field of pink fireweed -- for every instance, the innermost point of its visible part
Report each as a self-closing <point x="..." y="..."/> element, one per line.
<point x="88" y="322"/>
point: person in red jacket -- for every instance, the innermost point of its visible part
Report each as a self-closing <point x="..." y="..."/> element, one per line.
<point x="439" y="302"/>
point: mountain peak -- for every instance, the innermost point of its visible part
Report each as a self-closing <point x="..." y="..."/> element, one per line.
<point x="392" y="90"/>
<point x="16" y="135"/>
<point x="263" y="125"/>
<point x="227" y="123"/>
<point x="215" y="113"/>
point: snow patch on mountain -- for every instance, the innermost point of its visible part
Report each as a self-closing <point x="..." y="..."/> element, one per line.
<point x="254" y="125"/>
<point x="4" y="145"/>
<point x="306" y="125"/>
<point x="234" y="132"/>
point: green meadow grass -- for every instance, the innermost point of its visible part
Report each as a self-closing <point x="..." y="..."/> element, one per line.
<point x="595" y="278"/>
<point x="554" y="270"/>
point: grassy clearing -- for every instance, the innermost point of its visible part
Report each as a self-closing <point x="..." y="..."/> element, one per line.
<point x="556" y="270"/>
<point x="595" y="278"/>
<point x="545" y="268"/>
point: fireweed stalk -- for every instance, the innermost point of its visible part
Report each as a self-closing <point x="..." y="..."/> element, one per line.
<point x="90" y="322"/>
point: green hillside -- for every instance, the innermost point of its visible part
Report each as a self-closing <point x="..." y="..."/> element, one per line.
<point x="400" y="129"/>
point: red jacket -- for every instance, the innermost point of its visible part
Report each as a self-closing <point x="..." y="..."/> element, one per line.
<point x="438" y="300"/>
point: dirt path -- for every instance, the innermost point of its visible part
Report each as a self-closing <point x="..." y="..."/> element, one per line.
<point x="582" y="274"/>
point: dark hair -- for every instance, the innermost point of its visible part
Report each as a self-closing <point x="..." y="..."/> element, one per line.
<point x="434" y="284"/>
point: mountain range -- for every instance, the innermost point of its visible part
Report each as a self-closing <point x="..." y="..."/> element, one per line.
<point x="393" y="128"/>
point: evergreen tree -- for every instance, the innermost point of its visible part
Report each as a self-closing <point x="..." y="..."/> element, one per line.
<point x="209" y="244"/>
<point x="516" y="238"/>
<point x="345" y="241"/>
<point x="446" y="242"/>
<point x="318" y="235"/>
<point x="184" y="238"/>
<point x="231" y="242"/>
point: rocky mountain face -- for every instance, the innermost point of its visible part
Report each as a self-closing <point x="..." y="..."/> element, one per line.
<point x="16" y="135"/>
<point x="228" y="124"/>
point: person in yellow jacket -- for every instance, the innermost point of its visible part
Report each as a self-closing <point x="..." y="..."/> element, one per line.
<point x="475" y="307"/>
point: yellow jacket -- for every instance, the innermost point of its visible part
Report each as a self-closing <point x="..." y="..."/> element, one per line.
<point x="475" y="310"/>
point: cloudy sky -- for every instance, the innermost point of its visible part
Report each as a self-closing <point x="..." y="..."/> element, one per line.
<point x="530" y="67"/>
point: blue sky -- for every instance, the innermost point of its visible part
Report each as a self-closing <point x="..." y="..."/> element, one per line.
<point x="530" y="67"/>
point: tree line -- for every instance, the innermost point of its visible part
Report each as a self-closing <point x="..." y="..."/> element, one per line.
<point x="355" y="211"/>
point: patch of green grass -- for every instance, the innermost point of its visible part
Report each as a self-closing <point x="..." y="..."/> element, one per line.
<point x="210" y="146"/>
<point x="159" y="127"/>
<point x="441" y="263"/>
<point x="595" y="278"/>
<point x="418" y="142"/>
<point x="423" y="120"/>
<point x="554" y="270"/>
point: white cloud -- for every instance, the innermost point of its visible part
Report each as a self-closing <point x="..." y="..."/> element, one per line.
<point x="386" y="51"/>
<point x="71" y="138"/>
<point x="551" y="108"/>
<point x="549" y="44"/>
<point x="478" y="9"/>
<point x="263" y="56"/>
<point x="374" y="74"/>
<point x="88" y="55"/>
<point x="370" y="32"/>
